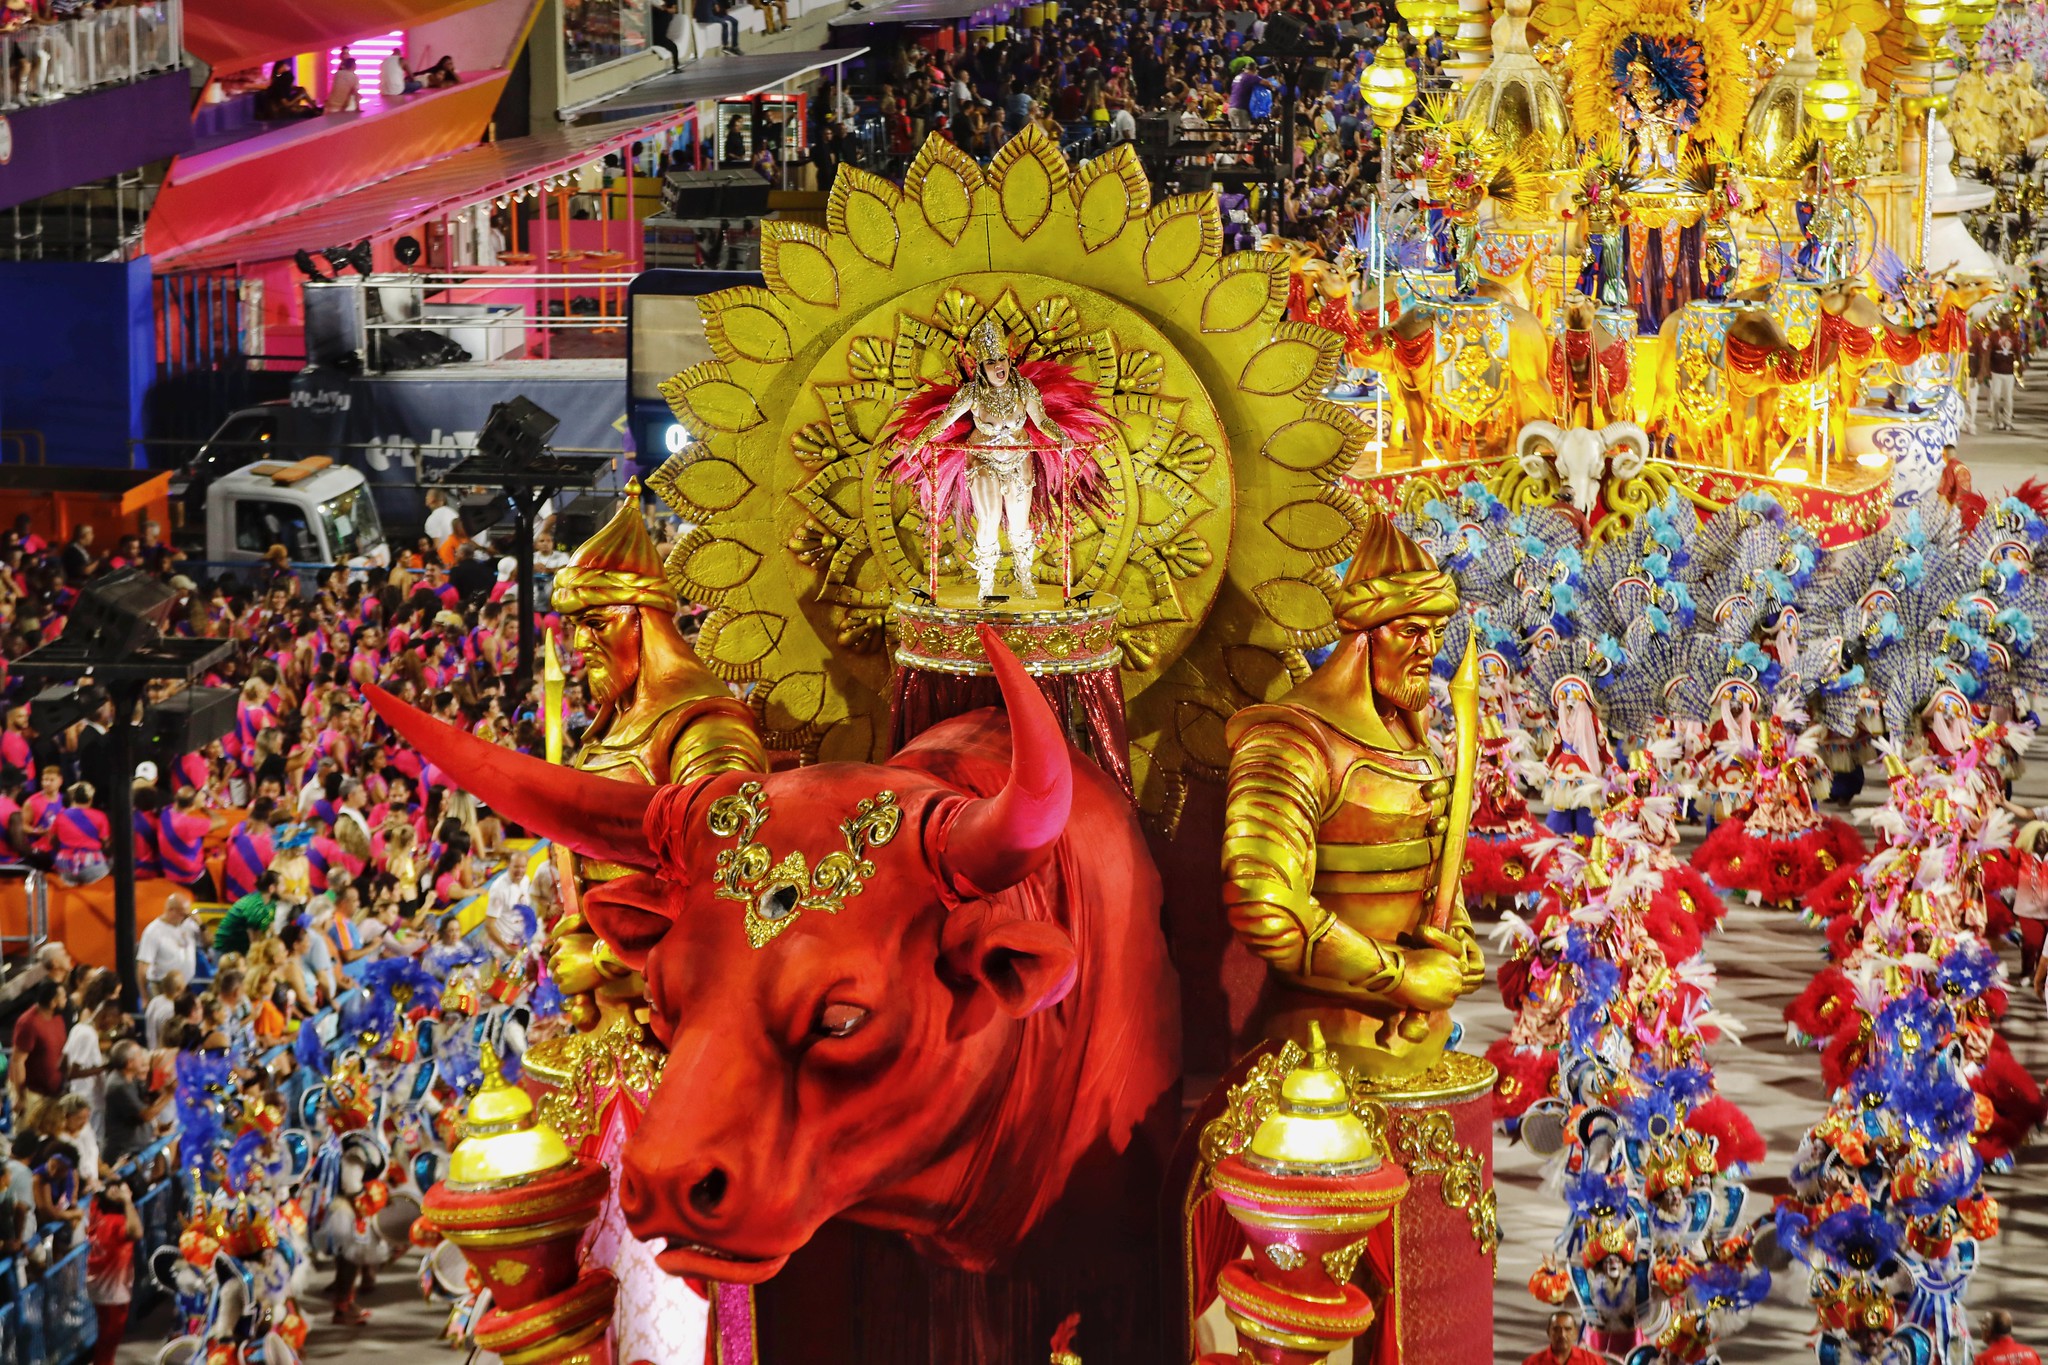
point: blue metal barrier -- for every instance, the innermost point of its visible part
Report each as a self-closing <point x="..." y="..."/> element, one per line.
<point x="70" y="1327"/>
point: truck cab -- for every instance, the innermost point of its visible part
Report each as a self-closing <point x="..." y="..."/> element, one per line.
<point x="321" y="512"/>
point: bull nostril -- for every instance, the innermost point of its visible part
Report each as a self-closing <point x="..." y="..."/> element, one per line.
<point x="707" y="1194"/>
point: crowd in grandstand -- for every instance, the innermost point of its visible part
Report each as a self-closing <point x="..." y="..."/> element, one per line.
<point x="330" y="846"/>
<point x="1099" y="74"/>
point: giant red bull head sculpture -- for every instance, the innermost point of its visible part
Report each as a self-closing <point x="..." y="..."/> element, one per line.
<point x="914" y="995"/>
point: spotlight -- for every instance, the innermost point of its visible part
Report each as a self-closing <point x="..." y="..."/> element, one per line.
<point x="337" y="257"/>
<point x="308" y="266"/>
<point x="361" y="258"/>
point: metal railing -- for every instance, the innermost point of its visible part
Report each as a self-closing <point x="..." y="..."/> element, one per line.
<point x="26" y="444"/>
<point x="46" y="62"/>
<point x="488" y="315"/>
<point x="36" y="897"/>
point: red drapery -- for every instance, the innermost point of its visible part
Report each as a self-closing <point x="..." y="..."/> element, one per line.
<point x="922" y="698"/>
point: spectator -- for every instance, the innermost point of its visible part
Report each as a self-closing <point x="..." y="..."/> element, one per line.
<point x="132" y="1109"/>
<point x="75" y="1130"/>
<point x="39" y="812"/>
<point x="665" y="19"/>
<point x="56" y="1193"/>
<point x="1563" y="1346"/>
<point x="18" y="1197"/>
<point x="1999" y="1348"/>
<point x="255" y="913"/>
<point x="345" y="96"/>
<point x="110" y="1266"/>
<point x="80" y="563"/>
<point x="181" y="843"/>
<point x="713" y="12"/>
<point x="283" y="98"/>
<point x="1123" y="125"/>
<point x="35" y="1066"/>
<point x="79" y="838"/>
<point x="85" y="1062"/>
<point x="394" y="79"/>
<point x="52" y="963"/>
<point x="511" y="907"/>
<point x="169" y="945"/>
<point x="250" y="851"/>
<point x="441" y="74"/>
<point x="162" y="1008"/>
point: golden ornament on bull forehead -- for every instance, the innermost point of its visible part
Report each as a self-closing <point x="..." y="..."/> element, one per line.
<point x="776" y="890"/>
<point x="617" y="567"/>
<point x="1219" y="475"/>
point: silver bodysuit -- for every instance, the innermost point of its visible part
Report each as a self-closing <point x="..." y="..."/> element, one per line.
<point x="1000" y="473"/>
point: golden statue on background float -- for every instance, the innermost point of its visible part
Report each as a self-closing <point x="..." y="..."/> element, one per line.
<point x="1344" y="837"/>
<point x="658" y="715"/>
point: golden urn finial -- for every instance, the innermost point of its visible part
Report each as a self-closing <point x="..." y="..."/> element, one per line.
<point x="1314" y="1128"/>
<point x="503" y="1143"/>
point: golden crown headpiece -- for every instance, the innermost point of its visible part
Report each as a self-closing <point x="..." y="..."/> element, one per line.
<point x="1855" y="1302"/>
<point x="1610" y="1236"/>
<point x="987" y="342"/>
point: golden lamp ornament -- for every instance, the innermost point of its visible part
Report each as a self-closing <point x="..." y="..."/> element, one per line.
<point x="1308" y="1189"/>
<point x="1387" y="86"/>
<point x="1831" y="99"/>
<point x="516" y="1202"/>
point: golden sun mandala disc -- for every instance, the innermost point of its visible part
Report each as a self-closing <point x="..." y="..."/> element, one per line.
<point x="1220" y="524"/>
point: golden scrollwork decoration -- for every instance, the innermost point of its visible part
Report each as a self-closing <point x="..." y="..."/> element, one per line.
<point x="584" y="1072"/>
<point x="1248" y="1104"/>
<point x="1427" y="1144"/>
<point x="776" y="891"/>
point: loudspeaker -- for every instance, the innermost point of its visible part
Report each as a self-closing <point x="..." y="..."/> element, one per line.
<point x="335" y="334"/>
<point x="580" y="520"/>
<point x="56" y="709"/>
<point x="518" y="429"/>
<point x="193" y="718"/>
<point x="714" y="194"/>
<point x="120" y="613"/>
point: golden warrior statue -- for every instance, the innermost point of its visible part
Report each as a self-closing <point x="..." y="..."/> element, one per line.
<point x="1344" y="837"/>
<point x="658" y="716"/>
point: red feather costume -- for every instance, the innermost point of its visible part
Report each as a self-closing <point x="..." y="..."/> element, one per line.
<point x="942" y="467"/>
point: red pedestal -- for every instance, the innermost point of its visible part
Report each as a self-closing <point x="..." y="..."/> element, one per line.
<point x="1446" y="1230"/>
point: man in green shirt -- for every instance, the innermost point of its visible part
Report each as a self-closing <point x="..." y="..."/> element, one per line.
<point x="248" y="917"/>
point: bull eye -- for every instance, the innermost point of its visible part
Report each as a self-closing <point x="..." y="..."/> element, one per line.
<point x="840" y="1020"/>
<point x="778" y="901"/>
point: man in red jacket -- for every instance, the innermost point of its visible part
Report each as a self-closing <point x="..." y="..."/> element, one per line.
<point x="1564" y="1348"/>
<point x="1999" y="1347"/>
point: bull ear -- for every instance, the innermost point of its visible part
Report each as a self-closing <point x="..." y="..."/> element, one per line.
<point x="630" y="914"/>
<point x="1022" y="966"/>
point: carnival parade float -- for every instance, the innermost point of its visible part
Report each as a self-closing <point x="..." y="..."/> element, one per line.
<point x="1031" y="916"/>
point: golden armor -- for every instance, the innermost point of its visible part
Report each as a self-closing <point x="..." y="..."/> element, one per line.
<point x="658" y="716"/>
<point x="1342" y="827"/>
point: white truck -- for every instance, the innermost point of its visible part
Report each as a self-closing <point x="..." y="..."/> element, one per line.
<point x="320" y="511"/>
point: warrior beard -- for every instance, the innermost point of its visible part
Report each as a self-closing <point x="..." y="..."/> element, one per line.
<point x="1406" y="694"/>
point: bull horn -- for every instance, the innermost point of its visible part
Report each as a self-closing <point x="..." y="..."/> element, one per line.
<point x="598" y="817"/>
<point x="997" y="841"/>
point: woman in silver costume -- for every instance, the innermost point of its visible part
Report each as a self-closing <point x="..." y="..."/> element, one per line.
<point x="1001" y="455"/>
